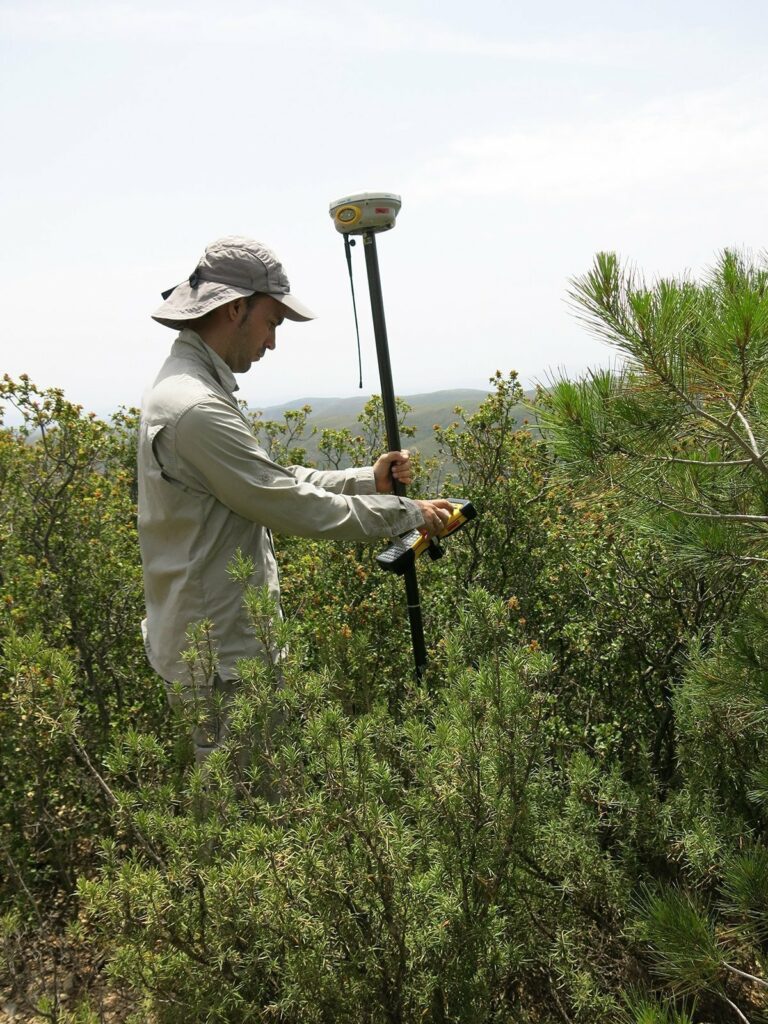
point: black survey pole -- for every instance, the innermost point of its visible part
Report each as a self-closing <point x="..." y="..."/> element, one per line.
<point x="393" y="435"/>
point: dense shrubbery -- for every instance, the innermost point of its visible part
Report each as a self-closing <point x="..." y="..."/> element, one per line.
<point x="565" y="821"/>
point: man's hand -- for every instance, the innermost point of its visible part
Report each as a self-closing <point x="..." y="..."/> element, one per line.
<point x="436" y="514"/>
<point x="397" y="466"/>
<point x="392" y="466"/>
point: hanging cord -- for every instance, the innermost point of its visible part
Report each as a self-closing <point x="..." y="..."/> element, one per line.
<point x="348" y="243"/>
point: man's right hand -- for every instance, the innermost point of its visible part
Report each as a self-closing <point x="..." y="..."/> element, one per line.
<point x="436" y="514"/>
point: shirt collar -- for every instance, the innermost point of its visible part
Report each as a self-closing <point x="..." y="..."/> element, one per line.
<point x="212" y="359"/>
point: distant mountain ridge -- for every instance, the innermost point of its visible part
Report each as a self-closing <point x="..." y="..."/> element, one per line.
<point x="427" y="409"/>
<point x="338" y="409"/>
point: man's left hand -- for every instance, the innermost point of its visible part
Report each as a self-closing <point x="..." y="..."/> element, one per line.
<point x="392" y="466"/>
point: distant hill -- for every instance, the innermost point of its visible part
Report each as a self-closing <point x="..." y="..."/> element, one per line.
<point x="426" y="410"/>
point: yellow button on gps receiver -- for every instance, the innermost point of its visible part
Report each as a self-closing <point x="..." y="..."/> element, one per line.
<point x="349" y="215"/>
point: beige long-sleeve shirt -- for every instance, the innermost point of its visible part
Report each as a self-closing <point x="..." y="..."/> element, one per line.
<point x="207" y="489"/>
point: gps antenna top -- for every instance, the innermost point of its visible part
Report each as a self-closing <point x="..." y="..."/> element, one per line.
<point x="365" y="211"/>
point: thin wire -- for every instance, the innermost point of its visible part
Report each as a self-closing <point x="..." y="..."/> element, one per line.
<point x="348" y="250"/>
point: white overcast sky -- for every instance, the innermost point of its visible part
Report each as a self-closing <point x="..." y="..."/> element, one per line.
<point x="522" y="137"/>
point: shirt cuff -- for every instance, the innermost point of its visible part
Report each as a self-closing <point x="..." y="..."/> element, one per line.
<point x="413" y="513"/>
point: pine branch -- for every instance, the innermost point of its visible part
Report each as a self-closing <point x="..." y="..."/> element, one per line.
<point x="745" y="423"/>
<point x="703" y="463"/>
<point x="724" y="516"/>
<point x="736" y="1010"/>
<point x="743" y="974"/>
<point x="754" y="456"/>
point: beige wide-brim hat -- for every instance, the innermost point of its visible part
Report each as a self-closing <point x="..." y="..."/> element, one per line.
<point x="230" y="268"/>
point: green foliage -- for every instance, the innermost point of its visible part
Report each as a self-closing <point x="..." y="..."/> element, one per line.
<point x="745" y="890"/>
<point x="680" y="428"/>
<point x="286" y="442"/>
<point x="675" y="440"/>
<point x="642" y="1009"/>
<point x="283" y="441"/>
<point x="685" y="950"/>
<point x="390" y="877"/>
<point x="505" y="473"/>
<point x="70" y="605"/>
<point x="564" y="820"/>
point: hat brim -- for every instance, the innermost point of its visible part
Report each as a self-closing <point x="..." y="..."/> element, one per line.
<point x="294" y="310"/>
<point x="186" y="303"/>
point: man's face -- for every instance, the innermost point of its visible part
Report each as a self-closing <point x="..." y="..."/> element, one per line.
<point x="254" y="333"/>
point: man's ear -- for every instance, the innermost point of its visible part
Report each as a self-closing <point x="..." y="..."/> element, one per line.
<point x="235" y="309"/>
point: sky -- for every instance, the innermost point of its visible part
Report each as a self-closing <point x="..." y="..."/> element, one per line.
<point x="523" y="138"/>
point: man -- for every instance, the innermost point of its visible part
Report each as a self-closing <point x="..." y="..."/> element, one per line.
<point x="207" y="489"/>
